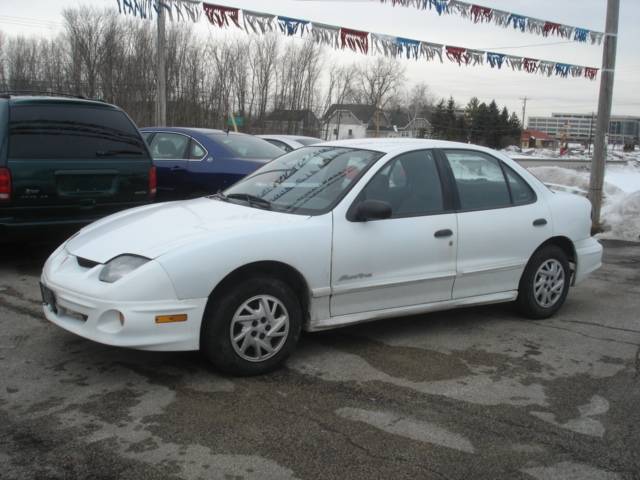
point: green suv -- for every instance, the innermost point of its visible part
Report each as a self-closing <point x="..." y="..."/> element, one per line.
<point x="65" y="162"/>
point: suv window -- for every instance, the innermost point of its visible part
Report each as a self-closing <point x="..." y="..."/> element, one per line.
<point x="480" y="180"/>
<point x="72" y="132"/>
<point x="169" y="146"/>
<point x="410" y="183"/>
<point x="521" y="192"/>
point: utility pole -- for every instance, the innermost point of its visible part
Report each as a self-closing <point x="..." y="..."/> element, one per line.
<point x="591" y="132"/>
<point x="161" y="101"/>
<point x="604" y="111"/>
<point x="524" y="111"/>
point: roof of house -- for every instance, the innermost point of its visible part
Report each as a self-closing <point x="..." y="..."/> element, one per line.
<point x="364" y="113"/>
<point x="537" y="134"/>
<point x="281" y="115"/>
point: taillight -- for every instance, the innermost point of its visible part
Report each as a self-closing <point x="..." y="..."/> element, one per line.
<point x="153" y="182"/>
<point x="5" y="184"/>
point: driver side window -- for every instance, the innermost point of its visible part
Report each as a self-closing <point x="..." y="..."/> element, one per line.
<point x="410" y="183"/>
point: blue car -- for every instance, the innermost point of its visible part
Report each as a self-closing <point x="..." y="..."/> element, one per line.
<point x="193" y="162"/>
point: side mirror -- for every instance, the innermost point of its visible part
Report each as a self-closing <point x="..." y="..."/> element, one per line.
<point x="370" y="210"/>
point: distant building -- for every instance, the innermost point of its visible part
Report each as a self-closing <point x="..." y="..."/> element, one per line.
<point x="344" y="121"/>
<point x="578" y="127"/>
<point x="537" y="139"/>
<point x="293" y="122"/>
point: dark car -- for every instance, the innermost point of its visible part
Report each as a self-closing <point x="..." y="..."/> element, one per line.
<point x="197" y="161"/>
<point x="65" y="162"/>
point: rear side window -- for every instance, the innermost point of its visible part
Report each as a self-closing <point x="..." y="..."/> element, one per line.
<point x="480" y="181"/>
<point x="72" y="132"/>
<point x="169" y="146"/>
<point x="246" y="146"/>
<point x="520" y="190"/>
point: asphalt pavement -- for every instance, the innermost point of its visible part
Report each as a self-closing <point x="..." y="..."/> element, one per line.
<point x="479" y="393"/>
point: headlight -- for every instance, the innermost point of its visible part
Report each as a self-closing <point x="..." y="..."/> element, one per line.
<point x="118" y="267"/>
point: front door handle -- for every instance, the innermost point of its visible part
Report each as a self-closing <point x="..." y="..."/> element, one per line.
<point x="540" y="222"/>
<point x="443" y="233"/>
<point x="177" y="169"/>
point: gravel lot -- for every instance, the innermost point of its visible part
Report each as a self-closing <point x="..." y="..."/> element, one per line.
<point x="476" y="393"/>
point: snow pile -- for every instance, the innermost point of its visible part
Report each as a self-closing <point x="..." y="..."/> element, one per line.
<point x="621" y="206"/>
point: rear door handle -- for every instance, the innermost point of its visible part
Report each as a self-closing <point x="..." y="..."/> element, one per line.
<point x="177" y="169"/>
<point x="443" y="233"/>
<point x="540" y="222"/>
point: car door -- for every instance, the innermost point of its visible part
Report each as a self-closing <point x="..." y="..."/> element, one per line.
<point x="170" y="153"/>
<point x="501" y="223"/>
<point x="408" y="259"/>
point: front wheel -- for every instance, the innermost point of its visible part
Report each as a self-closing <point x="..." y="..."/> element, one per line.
<point x="252" y="327"/>
<point x="545" y="283"/>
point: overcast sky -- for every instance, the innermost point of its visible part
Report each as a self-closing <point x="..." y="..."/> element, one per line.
<point x="555" y="94"/>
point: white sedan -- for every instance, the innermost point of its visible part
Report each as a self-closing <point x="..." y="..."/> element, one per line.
<point x="322" y="237"/>
<point x="289" y="143"/>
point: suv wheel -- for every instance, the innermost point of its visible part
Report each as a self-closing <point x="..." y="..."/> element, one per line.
<point x="253" y="327"/>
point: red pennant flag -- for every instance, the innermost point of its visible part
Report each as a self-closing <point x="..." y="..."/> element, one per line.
<point x="481" y="14"/>
<point x="550" y="27"/>
<point x="590" y="73"/>
<point x="530" y="65"/>
<point x="355" y="40"/>
<point x="457" y="55"/>
<point x="220" y="16"/>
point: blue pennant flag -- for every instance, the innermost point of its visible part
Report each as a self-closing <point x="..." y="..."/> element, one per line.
<point x="291" y="26"/>
<point x="410" y="47"/>
<point x="562" y="69"/>
<point x="518" y="21"/>
<point x="581" y="34"/>
<point x="495" y="59"/>
<point x="439" y="5"/>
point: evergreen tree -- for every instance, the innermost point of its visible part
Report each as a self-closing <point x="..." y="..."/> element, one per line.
<point x="438" y="121"/>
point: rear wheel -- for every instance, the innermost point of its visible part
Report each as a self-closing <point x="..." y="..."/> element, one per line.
<point x="545" y="283"/>
<point x="252" y="327"/>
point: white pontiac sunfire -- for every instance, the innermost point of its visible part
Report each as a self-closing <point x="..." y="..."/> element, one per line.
<point x="322" y="237"/>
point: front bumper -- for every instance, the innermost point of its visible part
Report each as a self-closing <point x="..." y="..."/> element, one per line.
<point x="588" y="258"/>
<point x="116" y="317"/>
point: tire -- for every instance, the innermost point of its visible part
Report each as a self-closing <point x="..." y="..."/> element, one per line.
<point x="550" y="266"/>
<point x="241" y="308"/>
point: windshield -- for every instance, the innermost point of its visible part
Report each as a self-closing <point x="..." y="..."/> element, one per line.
<point x="246" y="146"/>
<point x="307" y="181"/>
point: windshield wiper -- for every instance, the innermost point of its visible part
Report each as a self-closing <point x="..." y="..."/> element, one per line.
<point x="111" y="153"/>
<point x="219" y="196"/>
<point x="252" y="200"/>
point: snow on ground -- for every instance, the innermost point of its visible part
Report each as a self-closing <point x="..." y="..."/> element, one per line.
<point x="621" y="206"/>
<point x="573" y="154"/>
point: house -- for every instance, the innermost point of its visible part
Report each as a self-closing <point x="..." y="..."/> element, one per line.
<point x="344" y="121"/>
<point x="293" y="122"/>
<point x="537" y="139"/>
<point x="409" y="126"/>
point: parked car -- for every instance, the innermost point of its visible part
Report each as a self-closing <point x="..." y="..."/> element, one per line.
<point x="194" y="162"/>
<point x="323" y="237"/>
<point x="289" y="143"/>
<point x="66" y="162"/>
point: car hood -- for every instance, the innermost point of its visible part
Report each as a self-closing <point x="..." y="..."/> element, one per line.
<point x="153" y="230"/>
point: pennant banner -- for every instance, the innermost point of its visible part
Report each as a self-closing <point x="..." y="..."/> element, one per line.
<point x="481" y="14"/>
<point x="390" y="46"/>
<point x="174" y="9"/>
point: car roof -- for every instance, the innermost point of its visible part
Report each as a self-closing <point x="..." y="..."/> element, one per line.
<point x="289" y="137"/>
<point x="189" y="130"/>
<point x="397" y="145"/>
<point x="43" y="99"/>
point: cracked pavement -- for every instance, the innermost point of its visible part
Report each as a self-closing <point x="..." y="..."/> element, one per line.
<point x="476" y="393"/>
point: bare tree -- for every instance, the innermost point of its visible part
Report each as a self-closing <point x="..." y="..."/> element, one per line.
<point x="378" y="80"/>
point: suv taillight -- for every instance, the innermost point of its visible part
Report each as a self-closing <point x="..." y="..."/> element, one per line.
<point x="5" y="184"/>
<point x="153" y="182"/>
